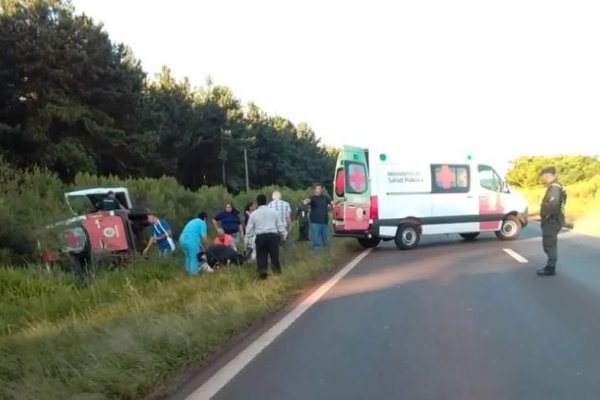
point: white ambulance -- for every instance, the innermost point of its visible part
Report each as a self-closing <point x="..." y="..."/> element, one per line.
<point x="389" y="195"/>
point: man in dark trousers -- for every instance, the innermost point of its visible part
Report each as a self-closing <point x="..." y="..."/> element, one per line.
<point x="553" y="219"/>
<point x="267" y="230"/>
<point x="303" y="215"/>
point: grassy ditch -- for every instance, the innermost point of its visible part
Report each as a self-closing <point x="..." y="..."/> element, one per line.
<point x="134" y="329"/>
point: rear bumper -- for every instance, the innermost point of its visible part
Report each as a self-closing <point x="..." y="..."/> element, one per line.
<point x="354" y="233"/>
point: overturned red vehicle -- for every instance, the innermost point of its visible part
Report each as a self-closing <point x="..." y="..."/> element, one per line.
<point x="96" y="231"/>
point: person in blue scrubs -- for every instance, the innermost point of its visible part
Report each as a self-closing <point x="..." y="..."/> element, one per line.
<point x="192" y="238"/>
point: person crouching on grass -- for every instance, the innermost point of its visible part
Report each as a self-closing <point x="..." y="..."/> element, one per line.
<point x="266" y="230"/>
<point x="192" y="238"/>
<point x="161" y="234"/>
<point x="224" y="239"/>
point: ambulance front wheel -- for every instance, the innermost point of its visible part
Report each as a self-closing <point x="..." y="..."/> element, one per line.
<point x="368" y="243"/>
<point x="510" y="228"/>
<point x="407" y="237"/>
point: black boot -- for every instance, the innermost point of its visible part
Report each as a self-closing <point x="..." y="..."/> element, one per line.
<point x="546" y="271"/>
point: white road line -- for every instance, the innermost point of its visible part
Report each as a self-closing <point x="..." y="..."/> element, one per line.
<point x="215" y="383"/>
<point x="516" y="256"/>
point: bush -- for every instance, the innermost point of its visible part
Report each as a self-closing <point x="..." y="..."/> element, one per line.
<point x="572" y="169"/>
<point x="29" y="200"/>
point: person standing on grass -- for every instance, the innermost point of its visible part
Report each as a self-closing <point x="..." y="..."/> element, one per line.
<point x="161" y="234"/>
<point x="266" y="231"/>
<point x="303" y="214"/>
<point x="319" y="208"/>
<point x="250" y="252"/>
<point x="283" y="210"/>
<point x="250" y="206"/>
<point x="192" y="239"/>
<point x="229" y="220"/>
<point x="552" y="214"/>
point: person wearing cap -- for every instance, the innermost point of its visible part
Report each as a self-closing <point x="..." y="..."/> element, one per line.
<point x="552" y="218"/>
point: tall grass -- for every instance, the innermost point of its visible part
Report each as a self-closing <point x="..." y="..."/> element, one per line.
<point x="132" y="330"/>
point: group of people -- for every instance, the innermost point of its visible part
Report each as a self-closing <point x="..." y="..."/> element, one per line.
<point x="263" y="228"/>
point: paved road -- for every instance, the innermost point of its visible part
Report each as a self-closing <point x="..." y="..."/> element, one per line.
<point x="450" y="320"/>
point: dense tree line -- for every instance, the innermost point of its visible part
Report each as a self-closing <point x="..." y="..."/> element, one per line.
<point x="525" y="171"/>
<point x="73" y="101"/>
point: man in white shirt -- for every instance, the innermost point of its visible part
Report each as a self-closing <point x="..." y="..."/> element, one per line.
<point x="266" y="230"/>
<point x="283" y="210"/>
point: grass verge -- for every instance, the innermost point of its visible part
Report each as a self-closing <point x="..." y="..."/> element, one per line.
<point x="135" y="329"/>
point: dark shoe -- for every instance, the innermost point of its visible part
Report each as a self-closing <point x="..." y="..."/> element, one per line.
<point x="263" y="276"/>
<point x="277" y="272"/>
<point x="546" y="271"/>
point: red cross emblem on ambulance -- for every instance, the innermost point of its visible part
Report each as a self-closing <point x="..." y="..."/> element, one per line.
<point x="445" y="176"/>
<point x="357" y="178"/>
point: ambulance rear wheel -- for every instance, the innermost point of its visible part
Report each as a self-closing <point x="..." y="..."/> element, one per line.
<point x="368" y="243"/>
<point x="510" y="228"/>
<point x="407" y="237"/>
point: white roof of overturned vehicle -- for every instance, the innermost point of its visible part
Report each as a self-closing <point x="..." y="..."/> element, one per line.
<point x="87" y="192"/>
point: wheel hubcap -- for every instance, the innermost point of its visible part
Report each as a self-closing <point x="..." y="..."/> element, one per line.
<point x="509" y="228"/>
<point x="409" y="236"/>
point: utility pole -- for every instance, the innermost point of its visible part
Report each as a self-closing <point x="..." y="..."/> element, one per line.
<point x="246" y="166"/>
<point x="223" y="154"/>
<point x="223" y="168"/>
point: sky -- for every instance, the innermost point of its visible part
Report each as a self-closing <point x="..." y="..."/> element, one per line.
<point x="492" y="78"/>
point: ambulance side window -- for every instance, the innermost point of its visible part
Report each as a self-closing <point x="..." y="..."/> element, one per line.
<point x="450" y="178"/>
<point x="339" y="182"/>
<point x="356" y="178"/>
<point x="489" y="179"/>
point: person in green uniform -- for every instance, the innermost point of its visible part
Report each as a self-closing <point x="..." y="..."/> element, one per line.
<point x="552" y="214"/>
